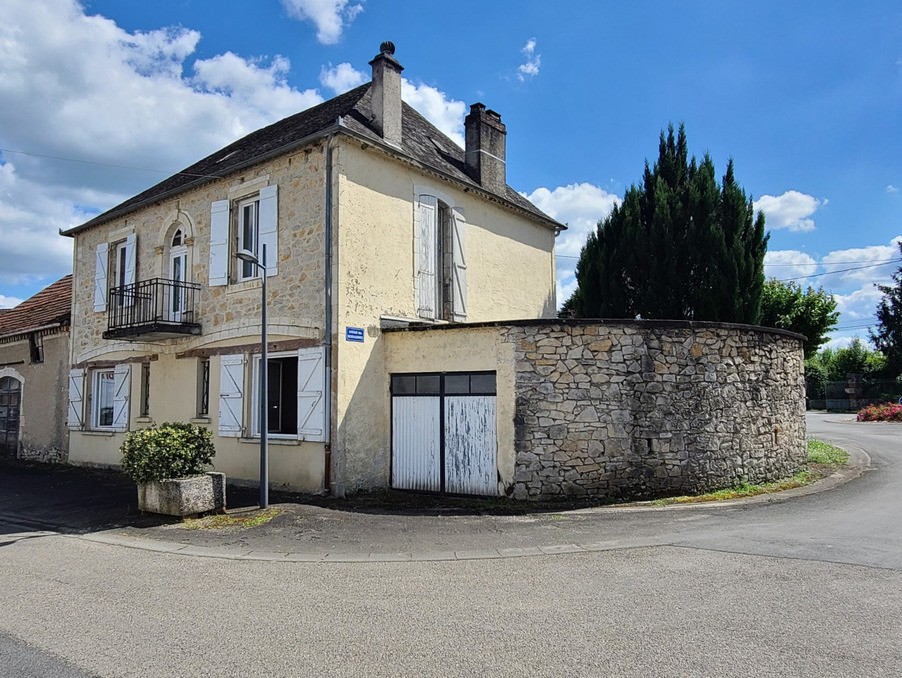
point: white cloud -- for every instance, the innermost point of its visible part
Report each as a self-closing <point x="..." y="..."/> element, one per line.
<point x="791" y="210"/>
<point x="580" y="207"/>
<point x="837" y="341"/>
<point x="445" y="113"/>
<point x="892" y="189"/>
<point x="80" y="87"/>
<point x="341" y="78"/>
<point x="530" y="68"/>
<point x="858" y="305"/>
<point x="865" y="265"/>
<point x="9" y="302"/>
<point x="782" y="264"/>
<point x="329" y="16"/>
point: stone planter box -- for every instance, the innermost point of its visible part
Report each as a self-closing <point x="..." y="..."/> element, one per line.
<point x="183" y="496"/>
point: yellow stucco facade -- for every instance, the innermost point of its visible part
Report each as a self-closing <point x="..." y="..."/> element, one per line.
<point x="510" y="274"/>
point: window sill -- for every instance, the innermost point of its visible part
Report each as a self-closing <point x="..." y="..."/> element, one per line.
<point x="143" y="420"/>
<point x="291" y="442"/>
<point x="105" y="434"/>
<point x="237" y="287"/>
<point x="199" y="420"/>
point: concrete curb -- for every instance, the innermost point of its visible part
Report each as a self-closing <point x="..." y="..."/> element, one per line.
<point x="859" y="462"/>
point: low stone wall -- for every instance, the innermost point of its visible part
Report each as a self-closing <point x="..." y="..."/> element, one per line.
<point x="634" y="409"/>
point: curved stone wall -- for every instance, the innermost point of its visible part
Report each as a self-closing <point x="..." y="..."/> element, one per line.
<point x="637" y="409"/>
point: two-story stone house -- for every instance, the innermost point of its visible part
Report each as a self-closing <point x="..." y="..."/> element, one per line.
<point x="370" y="218"/>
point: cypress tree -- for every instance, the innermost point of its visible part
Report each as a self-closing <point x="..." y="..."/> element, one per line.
<point x="680" y="246"/>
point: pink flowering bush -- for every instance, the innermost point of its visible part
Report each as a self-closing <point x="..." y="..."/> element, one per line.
<point x="881" y="412"/>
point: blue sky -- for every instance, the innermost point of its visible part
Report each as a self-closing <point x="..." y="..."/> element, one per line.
<point x="805" y="96"/>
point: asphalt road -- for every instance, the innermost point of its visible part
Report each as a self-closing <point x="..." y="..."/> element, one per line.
<point x="811" y="586"/>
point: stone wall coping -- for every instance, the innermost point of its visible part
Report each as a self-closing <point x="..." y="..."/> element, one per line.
<point x="608" y="322"/>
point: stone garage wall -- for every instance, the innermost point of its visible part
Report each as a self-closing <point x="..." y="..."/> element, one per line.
<point x="633" y="409"/>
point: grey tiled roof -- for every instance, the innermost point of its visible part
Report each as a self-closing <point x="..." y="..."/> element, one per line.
<point x="421" y="141"/>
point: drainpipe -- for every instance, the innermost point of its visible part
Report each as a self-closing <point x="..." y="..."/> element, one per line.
<point x="327" y="330"/>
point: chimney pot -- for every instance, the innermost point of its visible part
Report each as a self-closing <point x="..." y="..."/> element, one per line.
<point x="486" y="148"/>
<point x="386" y="94"/>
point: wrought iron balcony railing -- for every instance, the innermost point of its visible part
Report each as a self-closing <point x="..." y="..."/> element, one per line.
<point x="151" y="309"/>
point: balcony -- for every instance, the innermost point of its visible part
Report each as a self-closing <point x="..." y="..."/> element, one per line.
<point x="152" y="309"/>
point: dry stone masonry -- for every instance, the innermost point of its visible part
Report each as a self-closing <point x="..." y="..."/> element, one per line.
<point x="637" y="409"/>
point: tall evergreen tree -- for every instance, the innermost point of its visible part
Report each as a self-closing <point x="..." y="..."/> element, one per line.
<point x="888" y="337"/>
<point x="679" y="246"/>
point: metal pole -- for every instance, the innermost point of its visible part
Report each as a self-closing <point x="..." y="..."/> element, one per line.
<point x="264" y="396"/>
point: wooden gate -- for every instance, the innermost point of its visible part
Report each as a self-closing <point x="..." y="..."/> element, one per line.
<point x="443" y="433"/>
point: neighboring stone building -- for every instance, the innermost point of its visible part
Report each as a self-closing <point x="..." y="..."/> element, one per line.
<point x="370" y="217"/>
<point x="34" y="363"/>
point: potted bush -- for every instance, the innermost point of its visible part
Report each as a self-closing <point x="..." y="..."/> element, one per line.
<point x="168" y="462"/>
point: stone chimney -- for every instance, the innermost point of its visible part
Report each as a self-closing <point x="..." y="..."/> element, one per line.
<point x="485" y="149"/>
<point x="386" y="94"/>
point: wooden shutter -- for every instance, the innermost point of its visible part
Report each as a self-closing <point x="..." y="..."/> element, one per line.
<point x="231" y="395"/>
<point x="426" y="213"/>
<point x="130" y="259"/>
<point x="75" y="419"/>
<point x="219" y="243"/>
<point x="122" y="384"/>
<point x="101" y="262"/>
<point x="458" y="266"/>
<point x="311" y="394"/>
<point x="268" y="224"/>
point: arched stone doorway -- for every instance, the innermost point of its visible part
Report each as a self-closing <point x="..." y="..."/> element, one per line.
<point x="10" y="408"/>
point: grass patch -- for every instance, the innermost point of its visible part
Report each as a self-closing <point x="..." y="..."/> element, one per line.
<point x="823" y="458"/>
<point x="820" y="452"/>
<point x="234" y="520"/>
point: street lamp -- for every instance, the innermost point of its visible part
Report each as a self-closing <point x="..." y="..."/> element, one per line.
<point x="260" y="264"/>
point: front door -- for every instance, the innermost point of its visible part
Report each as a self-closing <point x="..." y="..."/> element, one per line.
<point x="10" y="402"/>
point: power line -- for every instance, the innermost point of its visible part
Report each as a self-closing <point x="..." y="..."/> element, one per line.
<point x="107" y="164"/>
<point x="839" y="270"/>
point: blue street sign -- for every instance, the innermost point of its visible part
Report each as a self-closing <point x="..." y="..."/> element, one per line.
<point x="354" y="334"/>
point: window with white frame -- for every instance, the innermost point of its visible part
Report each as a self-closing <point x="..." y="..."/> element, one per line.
<point x="99" y="398"/>
<point x="440" y="259"/>
<point x="248" y="236"/>
<point x="103" y="391"/>
<point x="114" y="269"/>
<point x="250" y="224"/>
<point x="296" y="383"/>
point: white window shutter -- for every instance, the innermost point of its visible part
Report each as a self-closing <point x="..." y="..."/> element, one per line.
<point x="130" y="258"/>
<point x="268" y="223"/>
<point x="426" y="213"/>
<point x="75" y="419"/>
<point x="122" y="385"/>
<point x="458" y="265"/>
<point x="311" y="394"/>
<point x="231" y="395"/>
<point x="219" y="243"/>
<point x="101" y="262"/>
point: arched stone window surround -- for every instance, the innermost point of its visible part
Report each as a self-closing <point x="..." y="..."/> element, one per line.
<point x="10" y="372"/>
<point x="177" y="223"/>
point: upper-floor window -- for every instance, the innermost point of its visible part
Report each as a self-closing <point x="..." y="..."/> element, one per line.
<point x="249" y="236"/>
<point x="114" y="268"/>
<point x="441" y="268"/>
<point x="246" y="224"/>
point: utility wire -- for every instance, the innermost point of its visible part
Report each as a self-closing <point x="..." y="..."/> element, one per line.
<point x="108" y="164"/>
<point x="839" y="270"/>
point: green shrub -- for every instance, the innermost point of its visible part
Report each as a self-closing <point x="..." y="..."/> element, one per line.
<point x="171" y="450"/>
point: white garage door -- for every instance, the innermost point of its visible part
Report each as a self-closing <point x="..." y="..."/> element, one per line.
<point x="443" y="433"/>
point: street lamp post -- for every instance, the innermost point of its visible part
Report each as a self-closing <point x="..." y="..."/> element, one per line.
<point x="260" y="264"/>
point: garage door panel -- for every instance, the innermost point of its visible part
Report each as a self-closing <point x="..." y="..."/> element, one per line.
<point x="416" y="443"/>
<point x="470" y="445"/>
